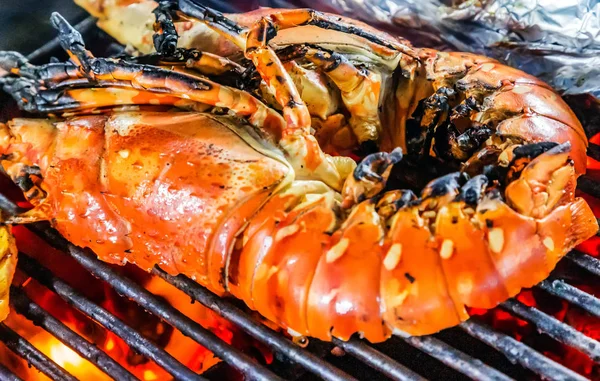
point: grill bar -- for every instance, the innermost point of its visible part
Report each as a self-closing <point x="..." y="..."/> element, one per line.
<point x="593" y="151"/>
<point x="455" y="359"/>
<point x="377" y="360"/>
<point x="554" y="328"/>
<point x="518" y="352"/>
<point x="45" y="50"/>
<point x="257" y="330"/>
<point x="7" y="375"/>
<point x="515" y="351"/>
<point x="589" y="186"/>
<point x="151" y="303"/>
<point x="133" y="338"/>
<point x="585" y="261"/>
<point x="40" y="361"/>
<point x="573" y="295"/>
<point x="32" y="311"/>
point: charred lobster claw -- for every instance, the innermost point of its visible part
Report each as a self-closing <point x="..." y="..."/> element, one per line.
<point x="247" y="186"/>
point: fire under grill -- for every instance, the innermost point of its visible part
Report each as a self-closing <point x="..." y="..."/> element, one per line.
<point x="473" y="350"/>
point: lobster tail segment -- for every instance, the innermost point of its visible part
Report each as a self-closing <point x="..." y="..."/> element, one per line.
<point x="485" y="245"/>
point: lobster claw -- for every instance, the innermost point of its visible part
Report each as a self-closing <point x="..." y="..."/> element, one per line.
<point x="548" y="181"/>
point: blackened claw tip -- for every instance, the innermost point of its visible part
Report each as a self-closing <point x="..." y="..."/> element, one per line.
<point x="396" y="155"/>
<point x="10" y="60"/>
<point x="562" y="148"/>
<point x="59" y="23"/>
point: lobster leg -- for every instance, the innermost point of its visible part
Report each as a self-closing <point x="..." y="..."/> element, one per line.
<point x="296" y="139"/>
<point x="32" y="99"/>
<point x="165" y="42"/>
<point x="203" y="62"/>
<point x="435" y="111"/>
<point x="360" y="89"/>
<point x="99" y="72"/>
<point x="268" y="26"/>
<point x="301" y="147"/>
<point x="213" y="19"/>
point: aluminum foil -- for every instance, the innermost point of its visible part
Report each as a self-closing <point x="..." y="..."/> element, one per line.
<point x="555" y="40"/>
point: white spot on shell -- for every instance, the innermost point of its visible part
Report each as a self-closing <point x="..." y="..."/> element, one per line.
<point x="154" y="102"/>
<point x="329" y="297"/>
<point x="124" y="153"/>
<point x="503" y="159"/>
<point x="337" y="250"/>
<point x="487" y="66"/>
<point x="465" y="285"/>
<point x="261" y="271"/>
<point x="496" y="239"/>
<point x="293" y="333"/>
<point x="286" y="232"/>
<point x="447" y="249"/>
<point x="521" y="89"/>
<point x="392" y="258"/>
<point x="429" y="214"/>
<point x="549" y="243"/>
<point x="397" y="300"/>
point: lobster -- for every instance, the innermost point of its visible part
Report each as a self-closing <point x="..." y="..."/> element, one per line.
<point x="234" y="165"/>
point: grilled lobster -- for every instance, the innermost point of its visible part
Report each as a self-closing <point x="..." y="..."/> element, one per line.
<point x="236" y="170"/>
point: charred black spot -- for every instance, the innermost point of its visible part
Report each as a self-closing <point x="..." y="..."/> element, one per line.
<point x="371" y="166"/>
<point x="292" y="104"/>
<point x="280" y="78"/>
<point x="463" y="110"/>
<point x="494" y="172"/>
<point x="223" y="277"/>
<point x="444" y="185"/>
<point x="368" y="147"/>
<point x="319" y="20"/>
<point x="6" y="156"/>
<point x="489" y="223"/>
<point x="202" y="12"/>
<point x="454" y="219"/>
<point x="24" y="182"/>
<point x="407" y="197"/>
<point x="409" y="277"/>
<point x="128" y="251"/>
<point x="473" y="190"/>
<point x="271" y="30"/>
<point x="533" y="150"/>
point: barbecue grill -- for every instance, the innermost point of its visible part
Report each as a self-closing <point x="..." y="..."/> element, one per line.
<point x="471" y="351"/>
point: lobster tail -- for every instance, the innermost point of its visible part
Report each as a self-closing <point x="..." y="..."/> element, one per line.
<point x="396" y="263"/>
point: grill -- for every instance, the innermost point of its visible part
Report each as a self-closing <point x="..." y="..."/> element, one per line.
<point x="471" y="351"/>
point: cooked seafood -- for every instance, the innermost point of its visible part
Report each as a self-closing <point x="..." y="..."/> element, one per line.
<point x="232" y="165"/>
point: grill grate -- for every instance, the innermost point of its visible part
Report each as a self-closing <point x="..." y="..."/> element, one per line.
<point x="308" y="359"/>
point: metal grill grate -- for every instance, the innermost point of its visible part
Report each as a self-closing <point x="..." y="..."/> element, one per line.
<point x="381" y="360"/>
